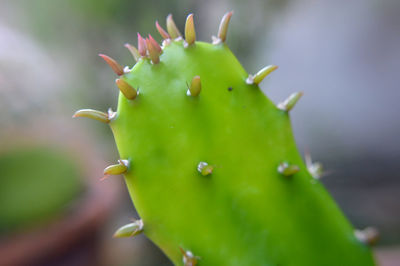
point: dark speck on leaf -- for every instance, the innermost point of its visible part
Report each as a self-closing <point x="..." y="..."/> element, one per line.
<point x="230" y="89"/>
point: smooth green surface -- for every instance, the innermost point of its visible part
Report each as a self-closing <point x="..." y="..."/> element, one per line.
<point x="36" y="184"/>
<point x="245" y="212"/>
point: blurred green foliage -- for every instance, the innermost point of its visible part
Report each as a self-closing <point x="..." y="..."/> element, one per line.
<point x="36" y="184"/>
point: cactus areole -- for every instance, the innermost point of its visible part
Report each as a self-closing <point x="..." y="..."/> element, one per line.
<point x="211" y="163"/>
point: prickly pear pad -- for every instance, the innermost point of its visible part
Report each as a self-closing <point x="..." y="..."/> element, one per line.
<point x="211" y="163"/>
<point x="245" y="213"/>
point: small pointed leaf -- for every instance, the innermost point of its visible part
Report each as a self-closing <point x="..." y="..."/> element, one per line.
<point x="142" y="46"/>
<point x="117" y="68"/>
<point x="153" y="52"/>
<point x="134" y="51"/>
<point x="257" y="78"/>
<point x="195" y="87"/>
<point x="155" y="44"/>
<point x="127" y="90"/>
<point x="130" y="230"/>
<point x="162" y="32"/>
<point x="290" y="102"/>
<point x="190" y="32"/>
<point x="117" y="169"/>
<point x="223" y="27"/>
<point x="172" y="28"/>
<point x="93" y="114"/>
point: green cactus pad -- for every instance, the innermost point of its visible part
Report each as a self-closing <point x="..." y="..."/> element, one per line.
<point x="241" y="209"/>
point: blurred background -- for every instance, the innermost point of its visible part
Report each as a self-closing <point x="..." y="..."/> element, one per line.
<point x="344" y="56"/>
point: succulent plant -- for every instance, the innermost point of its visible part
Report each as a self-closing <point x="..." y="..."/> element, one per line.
<point x="211" y="163"/>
